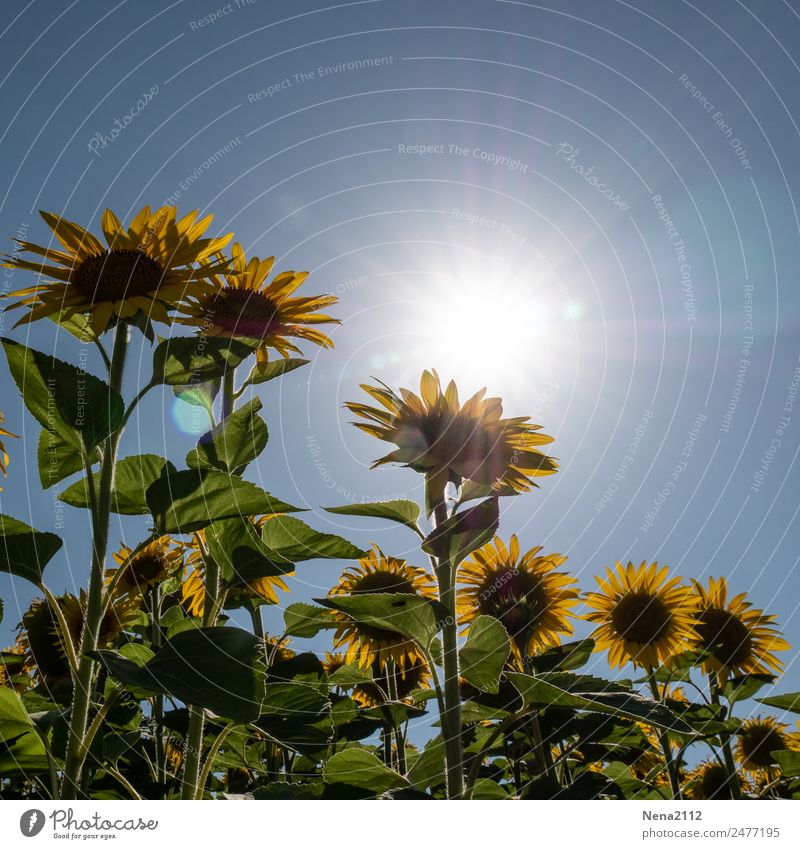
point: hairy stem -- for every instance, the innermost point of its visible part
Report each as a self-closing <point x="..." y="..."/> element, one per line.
<point x="663" y="739"/>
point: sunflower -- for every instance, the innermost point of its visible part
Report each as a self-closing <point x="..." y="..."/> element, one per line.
<point x="241" y="303"/>
<point x="734" y="636"/>
<point x="642" y="616"/>
<point x="407" y="676"/>
<point x="525" y="593"/>
<point x="193" y="589"/>
<point x="377" y="573"/>
<point x="3" y="455"/>
<point x="758" y="738"/>
<point x="143" y="271"/>
<point x="440" y="437"/>
<point x="710" y="780"/>
<point x="14" y="668"/>
<point x="156" y="562"/>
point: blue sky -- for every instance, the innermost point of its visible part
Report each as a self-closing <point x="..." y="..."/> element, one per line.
<point x="588" y="208"/>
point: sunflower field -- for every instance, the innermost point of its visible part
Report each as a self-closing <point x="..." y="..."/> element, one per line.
<point x="139" y="686"/>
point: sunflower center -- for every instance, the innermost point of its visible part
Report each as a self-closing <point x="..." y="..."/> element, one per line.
<point x="243" y="312"/>
<point x="725" y="635"/>
<point x="518" y="599"/>
<point x="758" y="742"/>
<point x="116" y="275"/>
<point x="145" y="570"/>
<point x="715" y="782"/>
<point x="641" y="617"/>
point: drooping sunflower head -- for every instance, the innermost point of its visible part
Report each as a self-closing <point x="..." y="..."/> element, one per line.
<point x="241" y="303"/>
<point x="642" y="616"/>
<point x="758" y="737"/>
<point x="393" y="682"/>
<point x="710" y="780"/>
<point x="141" y="272"/>
<point x="3" y="454"/>
<point x="136" y="573"/>
<point x="437" y="435"/>
<point x="735" y="637"/>
<point x="525" y="592"/>
<point x="377" y="573"/>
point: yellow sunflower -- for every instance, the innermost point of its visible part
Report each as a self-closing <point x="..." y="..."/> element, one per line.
<point x="709" y="780"/>
<point x="14" y="668"/>
<point x="193" y="589"/>
<point x="3" y="455"/>
<point x="241" y="303"/>
<point x="525" y="593"/>
<point x="377" y="573"/>
<point x="643" y="617"/>
<point x="758" y="738"/>
<point x="157" y="561"/>
<point x="735" y="636"/>
<point x="145" y="269"/>
<point x="409" y="675"/>
<point x="437" y="435"/>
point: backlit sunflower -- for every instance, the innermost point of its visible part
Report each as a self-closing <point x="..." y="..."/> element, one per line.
<point x="437" y="435"/>
<point x="406" y="677"/>
<point x="710" y="780"/>
<point x="3" y="455"/>
<point x="241" y="303"/>
<point x="156" y="562"/>
<point x="193" y="589"/>
<point x="525" y="593"/>
<point x="736" y="637"/>
<point x="758" y="738"/>
<point x="643" y="617"/>
<point x="14" y="668"/>
<point x="377" y="573"/>
<point x="145" y="269"/>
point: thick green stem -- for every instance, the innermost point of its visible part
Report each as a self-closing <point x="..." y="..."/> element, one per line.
<point x="663" y="739"/>
<point x="228" y="393"/>
<point x="158" y="699"/>
<point x="258" y="622"/>
<point x="725" y="739"/>
<point x="82" y="690"/>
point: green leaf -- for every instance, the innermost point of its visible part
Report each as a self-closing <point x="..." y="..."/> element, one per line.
<point x="220" y="669"/>
<point x="564" y="657"/>
<point x="472" y="490"/>
<point x="294" y="540"/>
<point x="21" y="749"/>
<point x="191" y="499"/>
<point x="199" y="395"/>
<point x="63" y="398"/>
<point x="14" y="719"/>
<point x="789" y="762"/>
<point x="461" y="534"/>
<point x="745" y="686"/>
<point x="132" y="478"/>
<point x="428" y="769"/>
<point x="485" y="653"/>
<point x="25" y="551"/>
<point x="485" y="788"/>
<point x="233" y="443"/>
<point x="350" y="676"/>
<point x="788" y="702"/>
<point x="58" y="457"/>
<point x="408" y="615"/>
<point x="361" y="768"/>
<point x="271" y="370"/>
<point x="306" y="620"/>
<point x="191" y="360"/>
<point x="401" y="510"/>
<point x="241" y="555"/>
<point x="555" y="690"/>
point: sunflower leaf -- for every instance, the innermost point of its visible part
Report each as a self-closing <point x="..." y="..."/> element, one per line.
<point x="191" y="499"/>
<point x="400" y="510"/>
<point x="132" y="477"/>
<point x="484" y="655"/>
<point x="233" y="443"/>
<point x="458" y="536"/>
<point x="190" y="360"/>
<point x="411" y="616"/>
<point x="306" y="620"/>
<point x="788" y="701"/>
<point x="745" y="686"/>
<point x="236" y="546"/>
<point x="349" y="676"/>
<point x="220" y="669"/>
<point x="362" y="768"/>
<point x="24" y="551"/>
<point x="63" y="398"/>
<point x="59" y="456"/>
<point x="564" y="657"/>
<point x="269" y="371"/>
<point x="554" y="690"/>
<point x="294" y="540"/>
<point x="788" y="761"/>
<point x="199" y="395"/>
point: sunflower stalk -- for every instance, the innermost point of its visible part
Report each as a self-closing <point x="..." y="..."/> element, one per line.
<point x="734" y="784"/>
<point x="158" y="699"/>
<point x="82" y="691"/>
<point x="663" y="739"/>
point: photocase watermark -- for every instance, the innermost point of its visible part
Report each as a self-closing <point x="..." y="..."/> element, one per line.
<point x="570" y="154"/>
<point x="8" y="273"/>
<point x="719" y="119"/>
<point x="744" y="360"/>
<point x="101" y="141"/>
<point x="628" y="459"/>
<point x="760" y="475"/>
<point x="649" y="518"/>
<point x="65" y="825"/>
<point x="318" y="73"/>
<point x="352" y="283"/>
<point x="190" y="179"/>
<point x="684" y="266"/>
<point x="212" y="17"/>
<point x="496" y="160"/>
